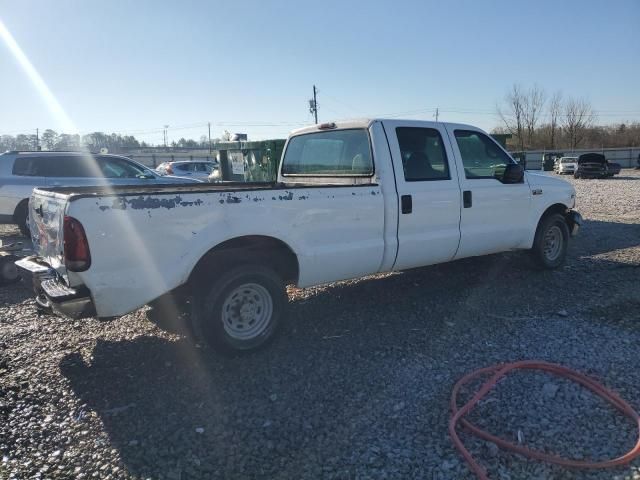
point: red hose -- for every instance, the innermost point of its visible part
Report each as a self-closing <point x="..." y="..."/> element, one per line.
<point x="499" y="371"/>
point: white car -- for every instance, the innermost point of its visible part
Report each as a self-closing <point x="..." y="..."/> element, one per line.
<point x="566" y="165"/>
<point x="188" y="168"/>
<point x="21" y="172"/>
<point x="352" y="199"/>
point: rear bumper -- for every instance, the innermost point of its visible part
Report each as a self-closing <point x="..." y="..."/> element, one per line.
<point x="52" y="293"/>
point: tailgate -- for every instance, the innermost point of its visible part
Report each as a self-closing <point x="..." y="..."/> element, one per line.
<point x="46" y="216"/>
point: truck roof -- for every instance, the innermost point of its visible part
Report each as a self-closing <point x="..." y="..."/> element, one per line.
<point x="366" y="123"/>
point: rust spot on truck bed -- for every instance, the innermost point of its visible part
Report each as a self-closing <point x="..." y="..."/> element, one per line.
<point x="288" y="196"/>
<point x="150" y="203"/>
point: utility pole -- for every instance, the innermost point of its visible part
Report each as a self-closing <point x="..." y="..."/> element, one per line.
<point x="37" y="139"/>
<point x="165" y="135"/>
<point x="437" y="113"/>
<point x="313" y="104"/>
<point x="209" y="124"/>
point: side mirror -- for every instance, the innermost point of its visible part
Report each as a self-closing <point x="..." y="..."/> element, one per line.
<point x="513" y="173"/>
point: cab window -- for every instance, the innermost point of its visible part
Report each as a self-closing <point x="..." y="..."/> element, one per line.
<point x="334" y="153"/>
<point x="423" y="154"/>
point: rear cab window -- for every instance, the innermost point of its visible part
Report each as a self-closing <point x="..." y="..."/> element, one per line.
<point x="332" y="154"/>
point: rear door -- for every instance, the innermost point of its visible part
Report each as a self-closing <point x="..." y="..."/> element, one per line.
<point x="428" y="192"/>
<point x="494" y="215"/>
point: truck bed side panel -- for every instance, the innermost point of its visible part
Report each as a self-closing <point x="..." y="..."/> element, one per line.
<point x="147" y="244"/>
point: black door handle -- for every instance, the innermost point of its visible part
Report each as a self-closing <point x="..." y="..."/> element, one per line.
<point x="406" y="204"/>
<point x="466" y="199"/>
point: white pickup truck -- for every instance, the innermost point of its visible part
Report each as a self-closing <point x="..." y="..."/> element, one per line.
<point x="351" y="199"/>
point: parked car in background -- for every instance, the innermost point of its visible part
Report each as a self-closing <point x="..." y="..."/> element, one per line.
<point x="436" y="192"/>
<point x="187" y="168"/>
<point x="595" y="165"/>
<point x="566" y="165"/>
<point x="21" y="172"/>
<point x="549" y="160"/>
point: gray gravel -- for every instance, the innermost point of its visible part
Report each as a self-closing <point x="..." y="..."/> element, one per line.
<point x="357" y="385"/>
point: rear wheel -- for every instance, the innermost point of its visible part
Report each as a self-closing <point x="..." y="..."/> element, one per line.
<point x="21" y="217"/>
<point x="551" y="241"/>
<point x="241" y="310"/>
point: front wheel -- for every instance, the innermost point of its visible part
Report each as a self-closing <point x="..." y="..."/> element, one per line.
<point x="241" y="310"/>
<point x="551" y="241"/>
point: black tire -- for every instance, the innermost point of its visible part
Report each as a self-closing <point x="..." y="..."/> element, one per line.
<point x="551" y="241"/>
<point x="217" y="316"/>
<point x="20" y="216"/>
<point x="576" y="175"/>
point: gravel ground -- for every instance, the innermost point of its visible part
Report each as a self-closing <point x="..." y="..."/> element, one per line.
<point x="358" y="383"/>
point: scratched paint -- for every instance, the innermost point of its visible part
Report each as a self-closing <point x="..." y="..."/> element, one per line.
<point x="288" y="196"/>
<point x="150" y="203"/>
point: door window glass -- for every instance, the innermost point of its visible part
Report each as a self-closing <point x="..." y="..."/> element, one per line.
<point x="113" y="167"/>
<point x="77" y="166"/>
<point x="481" y="156"/>
<point x="28" y="166"/>
<point x="423" y="154"/>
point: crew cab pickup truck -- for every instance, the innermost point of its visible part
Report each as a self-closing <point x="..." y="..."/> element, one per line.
<point x="351" y="199"/>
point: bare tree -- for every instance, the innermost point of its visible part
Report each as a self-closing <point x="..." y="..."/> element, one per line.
<point x="533" y="104"/>
<point x="555" y="110"/>
<point x="513" y="114"/>
<point x="578" y="117"/>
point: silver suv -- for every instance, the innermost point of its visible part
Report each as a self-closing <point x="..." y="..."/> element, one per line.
<point x="187" y="168"/>
<point x="21" y="172"/>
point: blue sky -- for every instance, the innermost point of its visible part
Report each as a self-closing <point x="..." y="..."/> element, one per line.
<point x="249" y="66"/>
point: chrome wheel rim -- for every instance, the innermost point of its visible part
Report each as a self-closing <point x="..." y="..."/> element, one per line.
<point x="247" y="311"/>
<point x="553" y="243"/>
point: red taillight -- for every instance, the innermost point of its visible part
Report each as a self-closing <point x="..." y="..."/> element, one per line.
<point x="169" y="170"/>
<point x="77" y="257"/>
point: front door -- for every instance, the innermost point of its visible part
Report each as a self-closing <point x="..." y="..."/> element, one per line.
<point x="494" y="215"/>
<point x="428" y="193"/>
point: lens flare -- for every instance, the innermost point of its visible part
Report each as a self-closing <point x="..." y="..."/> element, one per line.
<point x="148" y="271"/>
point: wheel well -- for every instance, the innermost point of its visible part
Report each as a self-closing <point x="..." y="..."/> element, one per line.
<point x="556" y="208"/>
<point x="553" y="209"/>
<point x="259" y="249"/>
<point x="20" y="205"/>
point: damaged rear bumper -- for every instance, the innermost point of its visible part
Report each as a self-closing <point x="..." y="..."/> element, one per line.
<point x="51" y="292"/>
